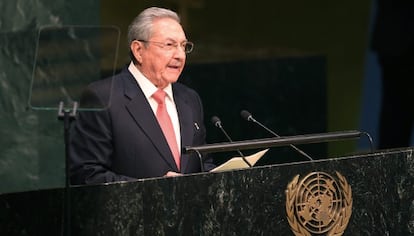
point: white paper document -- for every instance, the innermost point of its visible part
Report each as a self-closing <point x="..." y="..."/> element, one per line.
<point x="239" y="163"/>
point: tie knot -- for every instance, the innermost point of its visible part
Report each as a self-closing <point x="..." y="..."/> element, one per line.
<point x="159" y="96"/>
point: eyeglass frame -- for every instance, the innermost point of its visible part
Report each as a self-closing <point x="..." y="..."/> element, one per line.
<point x="171" y="45"/>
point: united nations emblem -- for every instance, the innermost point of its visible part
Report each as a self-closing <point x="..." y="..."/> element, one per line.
<point x="318" y="204"/>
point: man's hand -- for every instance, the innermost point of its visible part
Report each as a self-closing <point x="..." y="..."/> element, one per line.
<point x="172" y="174"/>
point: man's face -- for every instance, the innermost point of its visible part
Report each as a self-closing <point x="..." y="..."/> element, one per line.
<point x="159" y="64"/>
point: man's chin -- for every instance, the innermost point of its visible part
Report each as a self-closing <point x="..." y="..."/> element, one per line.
<point x="165" y="81"/>
<point x="171" y="79"/>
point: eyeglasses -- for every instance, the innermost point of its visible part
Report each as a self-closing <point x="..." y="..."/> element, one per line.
<point x="169" y="46"/>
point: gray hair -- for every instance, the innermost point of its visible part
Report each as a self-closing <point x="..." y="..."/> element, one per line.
<point x="141" y="27"/>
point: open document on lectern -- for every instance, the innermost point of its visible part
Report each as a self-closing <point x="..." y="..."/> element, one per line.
<point x="239" y="163"/>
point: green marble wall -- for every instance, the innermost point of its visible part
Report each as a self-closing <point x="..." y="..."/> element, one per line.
<point x="31" y="142"/>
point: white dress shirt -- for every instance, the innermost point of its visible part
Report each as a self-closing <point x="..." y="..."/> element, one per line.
<point x="149" y="89"/>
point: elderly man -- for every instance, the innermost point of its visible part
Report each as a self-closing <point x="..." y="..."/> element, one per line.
<point x="149" y="116"/>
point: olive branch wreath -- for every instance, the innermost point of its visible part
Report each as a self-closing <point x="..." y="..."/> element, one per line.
<point x="345" y="212"/>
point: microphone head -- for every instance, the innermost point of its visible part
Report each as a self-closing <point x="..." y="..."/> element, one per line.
<point x="216" y="121"/>
<point x="246" y="115"/>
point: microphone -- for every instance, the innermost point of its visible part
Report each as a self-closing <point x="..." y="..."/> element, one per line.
<point x="247" y="116"/>
<point x="217" y="122"/>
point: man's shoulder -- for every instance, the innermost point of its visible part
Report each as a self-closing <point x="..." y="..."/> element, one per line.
<point x="100" y="91"/>
<point x="110" y="80"/>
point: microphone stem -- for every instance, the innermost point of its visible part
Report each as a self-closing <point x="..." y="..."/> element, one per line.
<point x="276" y="135"/>
<point x="238" y="151"/>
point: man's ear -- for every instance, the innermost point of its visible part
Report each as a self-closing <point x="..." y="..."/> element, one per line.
<point x="136" y="50"/>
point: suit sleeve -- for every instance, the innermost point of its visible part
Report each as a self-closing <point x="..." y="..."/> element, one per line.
<point x="91" y="144"/>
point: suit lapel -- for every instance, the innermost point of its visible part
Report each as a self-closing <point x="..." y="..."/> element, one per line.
<point x="142" y="113"/>
<point x="186" y="125"/>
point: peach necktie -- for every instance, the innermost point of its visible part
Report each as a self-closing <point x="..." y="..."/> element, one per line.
<point x="166" y="125"/>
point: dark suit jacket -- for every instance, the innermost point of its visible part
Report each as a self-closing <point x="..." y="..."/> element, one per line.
<point x="124" y="141"/>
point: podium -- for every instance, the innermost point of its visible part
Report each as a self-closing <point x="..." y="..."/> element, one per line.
<point x="241" y="202"/>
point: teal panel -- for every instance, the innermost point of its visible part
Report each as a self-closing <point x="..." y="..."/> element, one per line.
<point x="31" y="142"/>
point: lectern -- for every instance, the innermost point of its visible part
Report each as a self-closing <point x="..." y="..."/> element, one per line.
<point x="254" y="201"/>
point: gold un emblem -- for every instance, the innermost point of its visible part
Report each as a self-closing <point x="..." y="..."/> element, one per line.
<point x="318" y="204"/>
